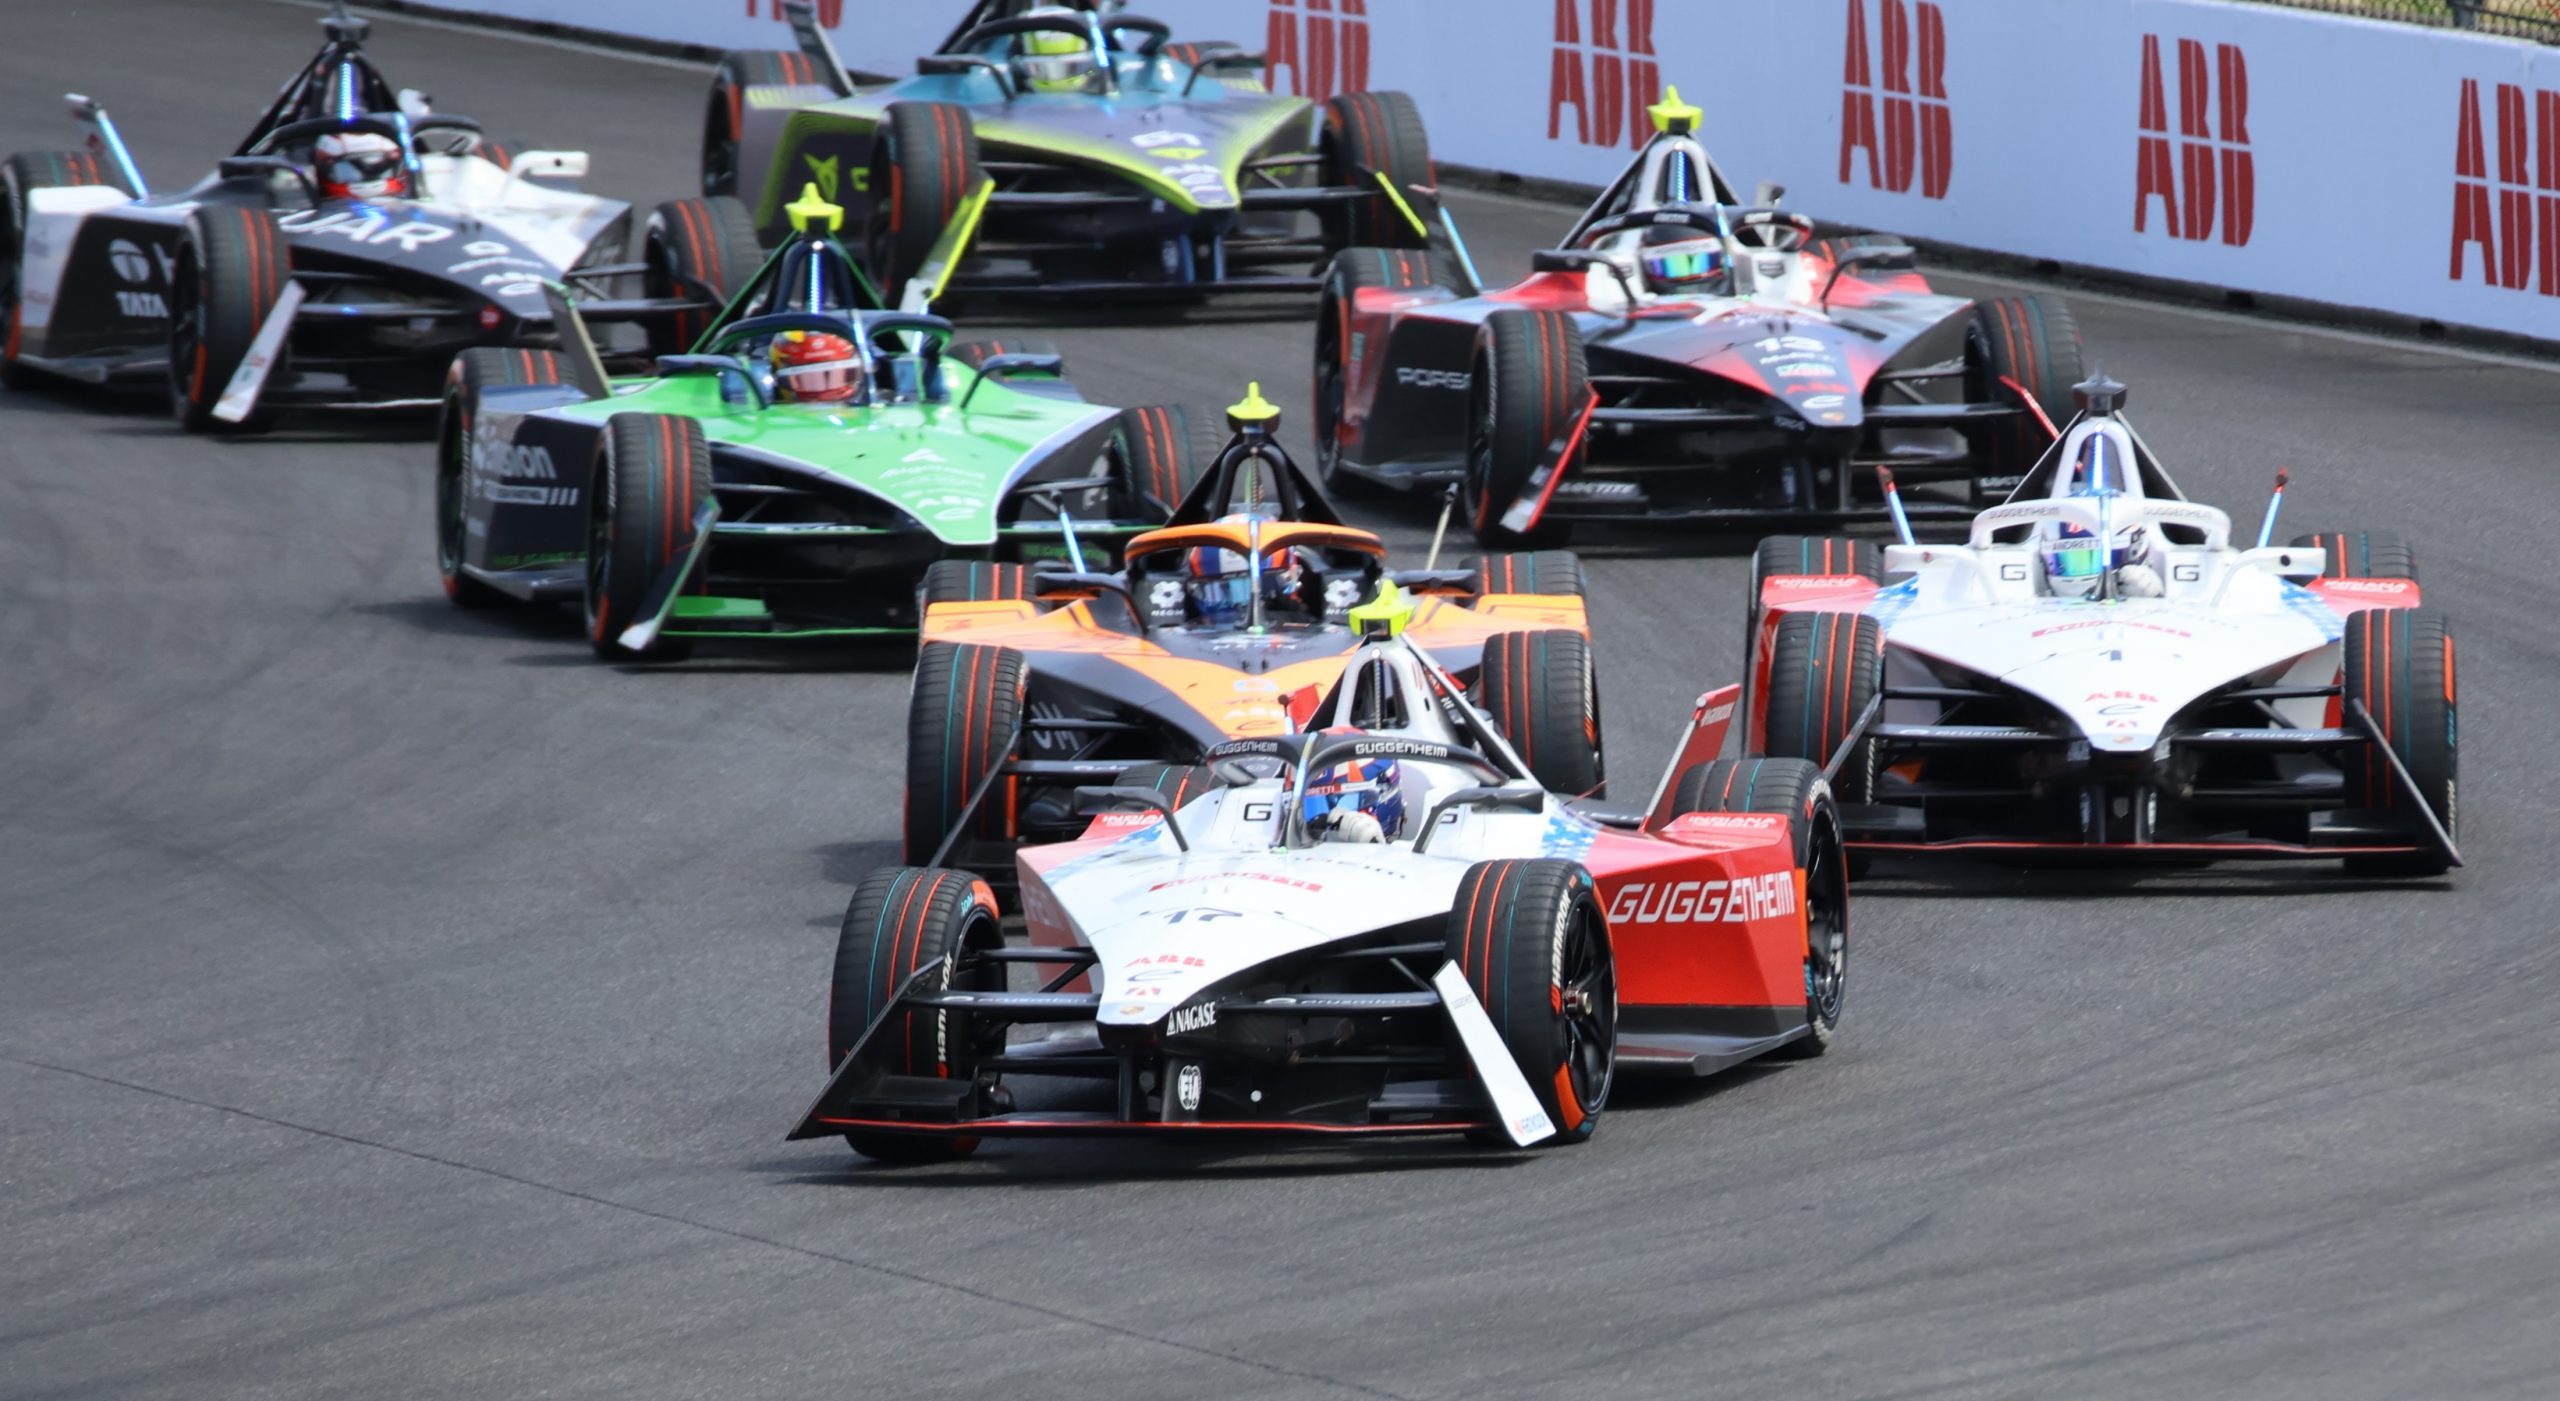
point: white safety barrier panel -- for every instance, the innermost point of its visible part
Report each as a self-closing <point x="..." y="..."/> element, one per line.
<point x="2360" y="163"/>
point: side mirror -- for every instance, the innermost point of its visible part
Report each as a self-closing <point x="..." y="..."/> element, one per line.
<point x="1769" y="193"/>
<point x="82" y="108"/>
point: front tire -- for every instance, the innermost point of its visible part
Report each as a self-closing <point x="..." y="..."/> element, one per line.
<point x="1151" y="452"/>
<point x="231" y="270"/>
<point x="701" y="250"/>
<point x="1794" y="789"/>
<point x="1367" y="134"/>
<point x="2033" y="341"/>
<point x="725" y="116"/>
<point x="2363" y="554"/>
<point x="925" y="164"/>
<point x="1529" y="937"/>
<point x="1546" y="573"/>
<point x="1530" y="384"/>
<point x="901" y="920"/>
<point x="1540" y="691"/>
<point x="962" y="716"/>
<point x="654" y="475"/>
<point x="2399" y="666"/>
<point x="1823" y="670"/>
<point x="1352" y="271"/>
<point x="474" y="371"/>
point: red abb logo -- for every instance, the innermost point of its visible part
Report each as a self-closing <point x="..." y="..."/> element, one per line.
<point x="830" y="12"/>
<point x="1323" y="43"/>
<point x="1918" y="129"/>
<point x="1607" y="81"/>
<point x="2507" y="252"/>
<point x="2222" y="90"/>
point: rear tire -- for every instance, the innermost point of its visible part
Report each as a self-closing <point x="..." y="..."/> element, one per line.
<point x="698" y="249"/>
<point x="21" y="175"/>
<point x="1540" y="690"/>
<point x="2363" y="554"/>
<point x="1530" y="383"/>
<point x="1529" y="937"/>
<point x="901" y="920"/>
<point x="473" y="372"/>
<point x="2035" y="341"/>
<point x="1548" y="573"/>
<point x="1352" y="271"/>
<point x="725" y="115"/>
<point x="231" y="270"/>
<point x="655" y="473"/>
<point x="971" y="581"/>
<point x="1823" y="669"/>
<point x="1794" y="789"/>
<point x="1380" y="132"/>
<point x="2399" y="664"/>
<point x="925" y="163"/>
<point x="961" y="718"/>
<point x="1783" y="555"/>
<point x="1152" y="451"/>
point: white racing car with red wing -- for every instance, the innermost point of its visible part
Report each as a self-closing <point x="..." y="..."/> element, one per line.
<point x="2100" y="671"/>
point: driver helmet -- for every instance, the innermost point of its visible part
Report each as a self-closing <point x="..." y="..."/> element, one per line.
<point x="1360" y="800"/>
<point x="2074" y="558"/>
<point x="1220" y="580"/>
<point x="360" y="165"/>
<point x="812" y="367"/>
<point x="1684" y="267"/>
<point x="1050" y="60"/>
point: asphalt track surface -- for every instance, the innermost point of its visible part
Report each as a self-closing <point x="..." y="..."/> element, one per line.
<point x="399" y="1003"/>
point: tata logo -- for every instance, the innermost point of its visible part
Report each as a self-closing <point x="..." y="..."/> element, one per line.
<point x="1605" y="71"/>
<point x="2526" y="191"/>
<point x="1323" y="43"/>
<point x="129" y="261"/>
<point x="1414" y="378"/>
<point x="1907" y="85"/>
<point x="141" y="306"/>
<point x="1705" y="901"/>
<point x="2214" y="162"/>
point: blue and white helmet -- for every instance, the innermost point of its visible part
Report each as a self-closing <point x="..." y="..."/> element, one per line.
<point x="1361" y="800"/>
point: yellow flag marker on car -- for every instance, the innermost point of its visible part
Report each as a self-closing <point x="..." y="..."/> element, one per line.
<point x="812" y="207"/>
<point x="1673" y="116"/>
<point x="1255" y="413"/>
<point x="1385" y="615"/>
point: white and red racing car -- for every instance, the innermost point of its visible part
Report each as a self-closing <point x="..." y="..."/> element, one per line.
<point x="1243" y="948"/>
<point x="2099" y="671"/>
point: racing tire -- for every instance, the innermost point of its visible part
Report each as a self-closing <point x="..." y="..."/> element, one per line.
<point x="1379" y="132"/>
<point x="1539" y="688"/>
<point x="21" y="175"/>
<point x="698" y="249"/>
<point x="971" y="581"/>
<point x="1823" y="670"/>
<point x="2035" y="341"/>
<point x="1529" y="937"/>
<point x="1531" y="381"/>
<point x="900" y="920"/>
<point x="724" y="117"/>
<point x="653" y="475"/>
<point x="1548" y="573"/>
<point x="2363" y="554"/>
<point x="1782" y="555"/>
<point x="1793" y="788"/>
<point x="961" y="717"/>
<point x="2399" y="665"/>
<point x="1179" y="783"/>
<point x="231" y="269"/>
<point x="1352" y="271"/>
<point x="1151" y="449"/>
<point x="924" y="162"/>
<point x="474" y="371"/>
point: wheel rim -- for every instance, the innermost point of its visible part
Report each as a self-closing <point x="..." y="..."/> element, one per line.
<point x="599" y="547"/>
<point x="1591" y="1013"/>
<point x="1477" y="485"/>
<point x="1826" y="959"/>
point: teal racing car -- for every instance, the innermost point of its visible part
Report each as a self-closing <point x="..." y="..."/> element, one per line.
<point x="1123" y="163"/>
<point x="739" y="492"/>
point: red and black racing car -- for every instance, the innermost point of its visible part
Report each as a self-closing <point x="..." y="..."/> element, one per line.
<point x="1682" y="357"/>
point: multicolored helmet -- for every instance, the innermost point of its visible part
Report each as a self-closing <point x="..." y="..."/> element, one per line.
<point x="1052" y="60"/>
<point x="812" y="367"/>
<point x="1685" y="267"/>
<point x="1360" y="800"/>
<point x="1220" y="580"/>
<point x="359" y="165"/>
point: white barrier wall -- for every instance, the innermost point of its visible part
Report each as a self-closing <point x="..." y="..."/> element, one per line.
<point x="2355" y="162"/>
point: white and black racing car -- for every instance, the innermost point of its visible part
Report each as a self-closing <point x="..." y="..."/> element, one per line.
<point x="2100" y="671"/>
<point x="341" y="256"/>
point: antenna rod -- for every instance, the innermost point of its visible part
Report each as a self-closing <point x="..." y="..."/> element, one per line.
<point x="2275" y="502"/>
<point x="1448" y="503"/>
<point x="1893" y="500"/>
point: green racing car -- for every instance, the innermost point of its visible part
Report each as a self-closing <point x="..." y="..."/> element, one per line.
<point x="792" y="474"/>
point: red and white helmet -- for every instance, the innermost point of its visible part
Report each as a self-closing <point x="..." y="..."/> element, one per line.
<point x="360" y="165"/>
<point x="812" y="367"/>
